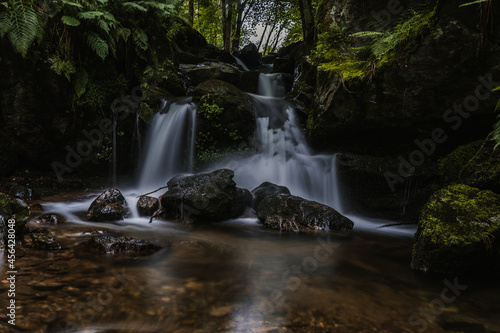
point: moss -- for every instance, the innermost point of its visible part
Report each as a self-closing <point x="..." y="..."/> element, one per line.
<point x="457" y="229"/>
<point x="451" y="165"/>
<point x="483" y="170"/>
<point x="16" y="209"/>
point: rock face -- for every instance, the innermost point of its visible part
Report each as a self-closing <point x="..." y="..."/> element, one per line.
<point x="210" y="70"/>
<point x="121" y="245"/>
<point x="51" y="218"/>
<point x="458" y="231"/>
<point x="483" y="170"/>
<point x="266" y="189"/>
<point x="109" y="206"/>
<point x="16" y="209"/>
<point x="291" y="213"/>
<point x="41" y="241"/>
<point x="147" y="206"/>
<point x="250" y="56"/>
<point x="401" y="99"/>
<point x="23" y="192"/>
<point x="209" y="196"/>
<point x="226" y="117"/>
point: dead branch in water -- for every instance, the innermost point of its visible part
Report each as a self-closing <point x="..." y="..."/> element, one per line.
<point x="161" y="188"/>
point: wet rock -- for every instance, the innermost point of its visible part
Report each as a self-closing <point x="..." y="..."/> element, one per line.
<point x="121" y="245"/>
<point x="266" y="189"/>
<point x="23" y="192"/>
<point x="147" y="206"/>
<point x="16" y="209"/>
<point x="210" y="70"/>
<point x="109" y="206"/>
<point x="209" y="196"/>
<point x="41" y="241"/>
<point x="51" y="218"/>
<point x="458" y="231"/>
<point x="232" y="124"/>
<point x="269" y="58"/>
<point x="250" y="55"/>
<point x="288" y="212"/>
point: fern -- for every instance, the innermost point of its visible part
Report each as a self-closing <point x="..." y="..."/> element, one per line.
<point x="367" y="34"/>
<point x="130" y="6"/>
<point x="140" y="39"/>
<point x="98" y="45"/>
<point x="22" y="27"/>
<point x="81" y="81"/>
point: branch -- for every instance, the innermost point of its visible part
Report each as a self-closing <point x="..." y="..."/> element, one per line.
<point x="158" y="189"/>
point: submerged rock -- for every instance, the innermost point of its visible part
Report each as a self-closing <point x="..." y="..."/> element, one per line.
<point x="23" y="192"/>
<point x="109" y="206"/>
<point x="147" y="206"/>
<point x="121" y="245"/>
<point x="211" y="196"/>
<point x="288" y="212"/>
<point x="458" y="231"/>
<point x="51" y="218"/>
<point x="41" y="241"/>
<point x="266" y="189"/>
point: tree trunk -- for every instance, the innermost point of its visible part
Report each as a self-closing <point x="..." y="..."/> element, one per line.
<point x="262" y="37"/>
<point x="269" y="38"/>
<point x="227" y="18"/>
<point x="191" y="12"/>
<point x="276" y="41"/>
<point x="306" y="14"/>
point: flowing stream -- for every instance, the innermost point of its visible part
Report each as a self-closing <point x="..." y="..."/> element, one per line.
<point x="236" y="276"/>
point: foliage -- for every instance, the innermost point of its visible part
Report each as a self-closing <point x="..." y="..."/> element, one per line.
<point x="360" y="54"/>
<point x="496" y="132"/>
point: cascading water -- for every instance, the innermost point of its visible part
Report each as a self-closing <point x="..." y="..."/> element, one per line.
<point x="283" y="156"/>
<point x="169" y="145"/>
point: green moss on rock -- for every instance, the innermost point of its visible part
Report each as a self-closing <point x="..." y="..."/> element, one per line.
<point x="16" y="209"/>
<point x="457" y="230"/>
<point x="451" y="165"/>
<point x="483" y="170"/>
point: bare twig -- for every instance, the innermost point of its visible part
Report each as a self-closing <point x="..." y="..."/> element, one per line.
<point x="158" y="189"/>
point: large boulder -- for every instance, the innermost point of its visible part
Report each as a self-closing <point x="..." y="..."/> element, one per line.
<point x="210" y="70"/>
<point x="292" y="213"/>
<point x="108" y="206"/>
<point x="250" y="55"/>
<point x="458" y="231"/>
<point x="16" y="209"/>
<point x="266" y="189"/>
<point x="211" y="196"/>
<point x="121" y="245"/>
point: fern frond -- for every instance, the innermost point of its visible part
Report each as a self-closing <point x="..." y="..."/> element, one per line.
<point x="130" y="6"/>
<point x="124" y="33"/>
<point x="98" y="45"/>
<point x="90" y="15"/>
<point x="140" y="39"/>
<point x="103" y="25"/>
<point x="82" y="78"/>
<point x="24" y="26"/>
<point x="367" y="34"/>
<point x="5" y="23"/>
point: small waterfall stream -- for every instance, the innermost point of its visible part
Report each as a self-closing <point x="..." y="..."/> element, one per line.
<point x="169" y="146"/>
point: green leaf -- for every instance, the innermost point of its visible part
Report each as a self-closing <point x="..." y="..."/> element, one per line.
<point x="497" y="88"/>
<point x="70" y="20"/>
<point x="90" y="15"/>
<point x="367" y="34"/>
<point x="5" y="23"/>
<point x="98" y="45"/>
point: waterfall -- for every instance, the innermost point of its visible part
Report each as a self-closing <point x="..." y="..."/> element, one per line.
<point x="169" y="145"/>
<point x="282" y="154"/>
<point x="241" y="63"/>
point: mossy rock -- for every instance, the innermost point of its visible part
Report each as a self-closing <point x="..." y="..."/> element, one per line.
<point x="483" y="170"/>
<point x="451" y="165"/>
<point x="16" y="209"/>
<point x="458" y="231"/>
